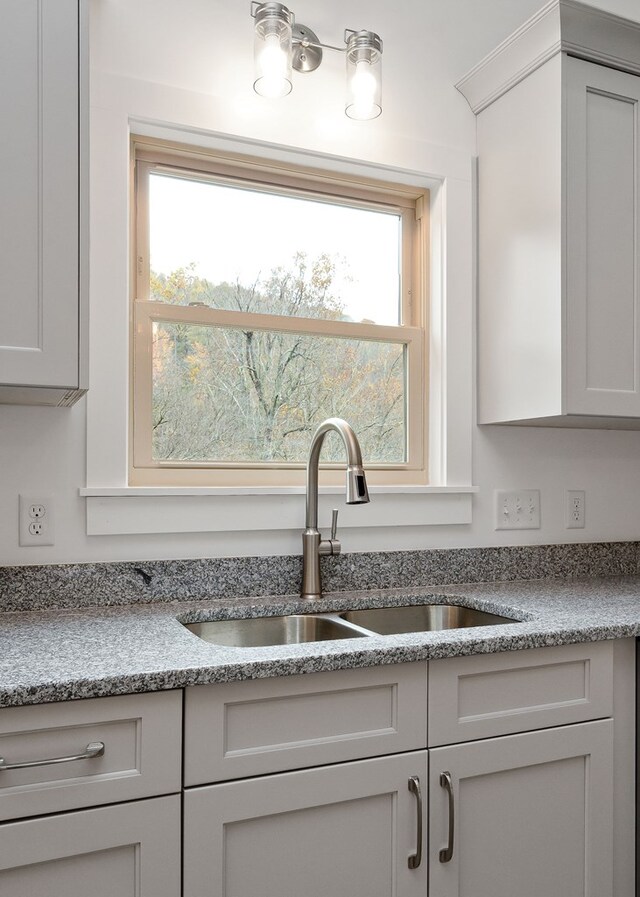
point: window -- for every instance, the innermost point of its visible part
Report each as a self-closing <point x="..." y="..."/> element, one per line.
<point x="266" y="299"/>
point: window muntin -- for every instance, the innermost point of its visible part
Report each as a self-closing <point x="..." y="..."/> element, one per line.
<point x="183" y="318"/>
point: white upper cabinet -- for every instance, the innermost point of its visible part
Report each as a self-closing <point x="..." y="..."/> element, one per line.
<point x="43" y="154"/>
<point x="558" y="221"/>
<point x="602" y="232"/>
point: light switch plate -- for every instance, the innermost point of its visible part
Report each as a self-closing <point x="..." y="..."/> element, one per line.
<point x="519" y="509"/>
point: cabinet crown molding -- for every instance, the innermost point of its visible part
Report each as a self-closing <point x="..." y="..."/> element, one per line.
<point x="561" y="26"/>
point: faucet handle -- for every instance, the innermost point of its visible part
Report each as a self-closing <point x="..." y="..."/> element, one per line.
<point x="334" y="524"/>
<point x="332" y="544"/>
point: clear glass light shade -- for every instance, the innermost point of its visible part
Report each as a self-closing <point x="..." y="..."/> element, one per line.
<point x="272" y="50"/>
<point x="364" y="76"/>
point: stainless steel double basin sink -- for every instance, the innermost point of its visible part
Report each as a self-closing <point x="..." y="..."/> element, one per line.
<point x="296" y="629"/>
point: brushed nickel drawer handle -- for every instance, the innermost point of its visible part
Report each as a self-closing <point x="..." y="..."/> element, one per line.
<point x="445" y="781"/>
<point x="416" y="858"/>
<point x="93" y="749"/>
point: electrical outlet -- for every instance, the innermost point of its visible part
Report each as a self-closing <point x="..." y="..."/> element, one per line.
<point x="517" y="510"/>
<point x="574" y="509"/>
<point x="36" y="520"/>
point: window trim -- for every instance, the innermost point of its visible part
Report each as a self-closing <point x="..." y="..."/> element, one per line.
<point x="149" y="155"/>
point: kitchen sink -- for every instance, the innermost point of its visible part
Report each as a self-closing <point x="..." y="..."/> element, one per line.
<point x="261" y="631"/>
<point x="421" y="618"/>
<point x="296" y="629"/>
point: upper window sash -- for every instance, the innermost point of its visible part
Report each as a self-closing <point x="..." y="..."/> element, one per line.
<point x="256" y="175"/>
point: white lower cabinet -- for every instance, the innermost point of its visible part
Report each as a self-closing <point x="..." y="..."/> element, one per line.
<point x="126" y="850"/>
<point x="528" y="741"/>
<point x="492" y="776"/>
<point x="529" y="815"/>
<point x="60" y="761"/>
<point x="349" y="830"/>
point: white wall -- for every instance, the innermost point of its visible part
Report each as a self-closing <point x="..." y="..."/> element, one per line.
<point x="199" y="52"/>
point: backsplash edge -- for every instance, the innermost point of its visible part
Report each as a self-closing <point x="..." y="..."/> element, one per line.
<point x="25" y="588"/>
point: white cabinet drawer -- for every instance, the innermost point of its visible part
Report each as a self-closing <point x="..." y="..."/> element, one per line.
<point x="142" y="750"/>
<point x="250" y="728"/>
<point x="498" y="694"/>
<point x="128" y="850"/>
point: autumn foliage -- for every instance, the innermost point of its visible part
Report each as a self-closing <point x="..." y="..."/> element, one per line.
<point x="254" y="395"/>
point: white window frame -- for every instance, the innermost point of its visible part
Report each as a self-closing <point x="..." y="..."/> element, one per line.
<point x="413" y="206"/>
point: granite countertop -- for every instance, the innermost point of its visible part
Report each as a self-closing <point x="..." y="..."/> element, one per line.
<point x="66" y="654"/>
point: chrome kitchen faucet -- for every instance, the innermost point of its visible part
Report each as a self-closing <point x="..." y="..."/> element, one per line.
<point x="313" y="545"/>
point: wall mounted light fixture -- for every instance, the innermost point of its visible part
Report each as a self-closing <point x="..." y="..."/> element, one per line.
<point x="281" y="45"/>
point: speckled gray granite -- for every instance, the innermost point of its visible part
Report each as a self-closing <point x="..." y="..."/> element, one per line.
<point x="66" y="654"/>
<point x="124" y="583"/>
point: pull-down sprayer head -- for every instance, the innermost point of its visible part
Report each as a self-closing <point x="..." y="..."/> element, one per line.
<point x="357" y="492"/>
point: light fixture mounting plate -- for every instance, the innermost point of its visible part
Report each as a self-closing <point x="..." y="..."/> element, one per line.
<point x="307" y="55"/>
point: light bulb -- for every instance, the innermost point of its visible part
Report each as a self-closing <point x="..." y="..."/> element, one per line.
<point x="363" y="90"/>
<point x="364" y="53"/>
<point x="272" y="50"/>
<point x="272" y="63"/>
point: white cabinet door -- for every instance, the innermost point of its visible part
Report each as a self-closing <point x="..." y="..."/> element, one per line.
<point x="602" y="159"/>
<point x="129" y="850"/>
<point x="533" y="815"/>
<point x="41" y="159"/>
<point x="348" y="830"/>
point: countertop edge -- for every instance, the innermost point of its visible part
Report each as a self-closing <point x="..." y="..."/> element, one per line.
<point x="66" y="655"/>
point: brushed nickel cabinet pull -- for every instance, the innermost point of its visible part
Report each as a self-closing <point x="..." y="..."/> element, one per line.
<point x="94" y="749"/>
<point x="446" y="783"/>
<point x="414" y="787"/>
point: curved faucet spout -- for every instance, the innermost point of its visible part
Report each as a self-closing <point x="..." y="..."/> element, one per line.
<point x="357" y="493"/>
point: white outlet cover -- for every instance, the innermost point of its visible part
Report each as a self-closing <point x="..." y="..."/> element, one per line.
<point x="27" y="537"/>
<point x="574" y="509"/>
<point x="517" y="509"/>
